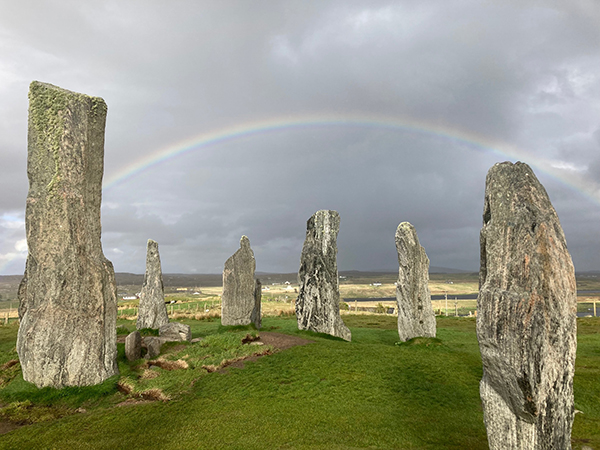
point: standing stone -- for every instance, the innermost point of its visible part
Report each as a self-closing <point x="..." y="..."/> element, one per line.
<point x="133" y="346"/>
<point x="526" y="315"/>
<point x="239" y="305"/>
<point x="255" y="316"/>
<point x="68" y="297"/>
<point x="318" y="303"/>
<point x="152" y="311"/>
<point x="415" y="312"/>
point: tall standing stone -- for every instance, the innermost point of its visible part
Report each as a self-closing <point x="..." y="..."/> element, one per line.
<point x="152" y="312"/>
<point x="526" y="315"/>
<point x="68" y="297"/>
<point x="415" y="312"/>
<point x="255" y="317"/>
<point x="239" y="303"/>
<point x="318" y="303"/>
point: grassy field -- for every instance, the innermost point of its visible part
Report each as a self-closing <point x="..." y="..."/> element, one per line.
<point x="329" y="394"/>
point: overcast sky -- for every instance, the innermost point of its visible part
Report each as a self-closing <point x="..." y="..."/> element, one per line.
<point x="399" y="110"/>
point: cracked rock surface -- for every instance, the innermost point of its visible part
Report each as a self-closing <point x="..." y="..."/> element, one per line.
<point x="240" y="302"/>
<point x="415" y="312"/>
<point x="152" y="312"/>
<point x="318" y="303"/>
<point x="526" y="315"/>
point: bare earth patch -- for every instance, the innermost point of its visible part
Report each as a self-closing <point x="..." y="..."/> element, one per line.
<point x="278" y="341"/>
<point x="282" y="341"/>
<point x="5" y="427"/>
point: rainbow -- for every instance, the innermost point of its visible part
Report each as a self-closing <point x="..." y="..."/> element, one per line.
<point x="567" y="175"/>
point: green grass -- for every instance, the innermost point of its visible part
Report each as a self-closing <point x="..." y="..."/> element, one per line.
<point x="330" y="394"/>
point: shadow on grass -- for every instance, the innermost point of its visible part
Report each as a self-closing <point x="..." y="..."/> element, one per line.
<point x="420" y="341"/>
<point x="236" y="328"/>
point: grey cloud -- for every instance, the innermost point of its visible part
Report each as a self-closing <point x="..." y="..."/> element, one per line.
<point x="520" y="73"/>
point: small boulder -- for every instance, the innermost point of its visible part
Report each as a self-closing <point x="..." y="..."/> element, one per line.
<point x="133" y="346"/>
<point x="175" y="331"/>
<point x="152" y="344"/>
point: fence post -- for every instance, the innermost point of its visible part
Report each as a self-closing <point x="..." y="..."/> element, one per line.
<point x="446" y="295"/>
<point x="594" y="307"/>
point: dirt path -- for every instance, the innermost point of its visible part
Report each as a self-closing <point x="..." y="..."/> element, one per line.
<point x="278" y="341"/>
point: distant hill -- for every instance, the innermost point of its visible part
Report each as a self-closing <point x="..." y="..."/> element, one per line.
<point x="434" y="269"/>
<point x="172" y="279"/>
<point x="10" y="283"/>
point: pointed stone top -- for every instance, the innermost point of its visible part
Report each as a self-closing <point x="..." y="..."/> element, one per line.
<point x="408" y="232"/>
<point x="508" y="185"/>
<point x="244" y="242"/>
<point x="152" y="249"/>
<point x="325" y="212"/>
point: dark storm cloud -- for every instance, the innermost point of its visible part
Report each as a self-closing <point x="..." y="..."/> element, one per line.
<point x="520" y="73"/>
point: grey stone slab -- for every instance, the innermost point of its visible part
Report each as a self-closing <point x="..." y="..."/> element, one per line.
<point x="133" y="346"/>
<point x="526" y="315"/>
<point x="68" y="297"/>
<point x="153" y="345"/>
<point x="318" y="303"/>
<point x="415" y="311"/>
<point x="152" y="312"/>
<point x="175" y="331"/>
<point x="240" y="304"/>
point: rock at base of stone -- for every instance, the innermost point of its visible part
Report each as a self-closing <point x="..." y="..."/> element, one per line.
<point x="239" y="302"/>
<point x="152" y="312"/>
<point x="175" y="331"/>
<point x="68" y="297"/>
<point x="152" y="344"/>
<point x="526" y="315"/>
<point x="133" y="346"/>
<point x="318" y="303"/>
<point x="415" y="311"/>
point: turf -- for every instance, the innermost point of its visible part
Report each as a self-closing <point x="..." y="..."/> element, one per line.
<point x="331" y="394"/>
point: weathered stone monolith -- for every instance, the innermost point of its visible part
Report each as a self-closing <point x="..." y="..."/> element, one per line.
<point x="526" y="315"/>
<point x="318" y="303"/>
<point x="152" y="312"/>
<point x="415" y="312"/>
<point x="255" y="317"/>
<point x="68" y="297"/>
<point x="239" y="304"/>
